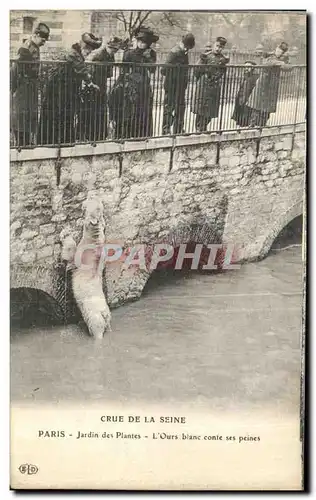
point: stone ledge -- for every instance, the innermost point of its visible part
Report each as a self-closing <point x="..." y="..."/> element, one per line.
<point x="164" y="142"/>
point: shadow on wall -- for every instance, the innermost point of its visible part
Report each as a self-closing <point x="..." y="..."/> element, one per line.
<point x="291" y="234"/>
<point x="32" y="307"/>
<point x="191" y="234"/>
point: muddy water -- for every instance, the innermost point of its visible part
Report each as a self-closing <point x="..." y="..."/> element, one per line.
<point x="229" y="340"/>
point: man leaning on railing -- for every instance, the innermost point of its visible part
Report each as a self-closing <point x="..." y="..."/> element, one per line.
<point x="62" y="93"/>
<point x="264" y="97"/>
<point x="24" y="87"/>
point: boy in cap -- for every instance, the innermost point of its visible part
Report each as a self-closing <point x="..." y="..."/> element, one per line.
<point x="209" y="74"/>
<point x="24" y="86"/>
<point x="175" y="84"/>
<point x="94" y="115"/>
<point x="242" y="113"/>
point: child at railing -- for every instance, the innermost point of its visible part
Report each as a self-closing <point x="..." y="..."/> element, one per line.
<point x="242" y="113"/>
<point x="92" y="119"/>
<point x="131" y="100"/>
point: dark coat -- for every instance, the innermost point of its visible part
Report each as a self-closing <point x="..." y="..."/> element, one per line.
<point x="61" y="97"/>
<point x="264" y="96"/>
<point x="242" y="113"/>
<point x="100" y="72"/>
<point x="92" y="121"/>
<point x="24" y="88"/>
<point x="209" y="74"/>
<point x="131" y="99"/>
<point x="176" y="77"/>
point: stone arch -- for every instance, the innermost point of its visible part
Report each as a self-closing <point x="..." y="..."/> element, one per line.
<point x="33" y="306"/>
<point x="51" y="282"/>
<point x="127" y="285"/>
<point x="35" y="277"/>
<point x="200" y="229"/>
<point x="295" y="211"/>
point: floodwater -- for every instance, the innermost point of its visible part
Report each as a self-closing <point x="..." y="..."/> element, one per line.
<point x="229" y="340"/>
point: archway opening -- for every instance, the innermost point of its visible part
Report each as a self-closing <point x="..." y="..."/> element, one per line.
<point x="290" y="235"/>
<point x="176" y="269"/>
<point x="32" y="307"/>
<point x="191" y="259"/>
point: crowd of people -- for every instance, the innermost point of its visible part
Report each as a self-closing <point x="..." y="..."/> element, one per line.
<point x="76" y="102"/>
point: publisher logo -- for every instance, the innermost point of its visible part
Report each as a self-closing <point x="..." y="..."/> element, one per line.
<point x="28" y="469"/>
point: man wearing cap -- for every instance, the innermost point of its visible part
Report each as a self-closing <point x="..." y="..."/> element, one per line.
<point x="61" y="100"/>
<point x="264" y="97"/>
<point x="131" y="101"/>
<point x="25" y="86"/>
<point x="176" y="73"/>
<point x="94" y="104"/>
<point x="209" y="74"/>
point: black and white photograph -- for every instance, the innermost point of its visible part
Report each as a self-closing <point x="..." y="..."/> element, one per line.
<point x="158" y="246"/>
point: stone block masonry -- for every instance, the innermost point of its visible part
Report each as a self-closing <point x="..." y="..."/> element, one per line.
<point x="245" y="187"/>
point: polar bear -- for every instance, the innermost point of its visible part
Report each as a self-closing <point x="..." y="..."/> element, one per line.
<point x="87" y="270"/>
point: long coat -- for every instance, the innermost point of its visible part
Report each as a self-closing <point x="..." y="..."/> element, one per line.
<point x="209" y="74"/>
<point x="61" y="98"/>
<point x="264" y="96"/>
<point x="24" y="75"/>
<point x="242" y="112"/>
<point x="93" y="110"/>
<point x="131" y="100"/>
<point x="177" y="75"/>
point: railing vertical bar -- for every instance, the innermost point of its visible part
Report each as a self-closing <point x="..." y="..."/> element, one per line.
<point x="154" y="109"/>
<point x="160" y="89"/>
<point x="297" y="96"/>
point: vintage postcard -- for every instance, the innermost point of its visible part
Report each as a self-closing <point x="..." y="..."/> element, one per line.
<point x="157" y="267"/>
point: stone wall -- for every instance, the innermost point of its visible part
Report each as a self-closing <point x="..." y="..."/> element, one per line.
<point x="245" y="190"/>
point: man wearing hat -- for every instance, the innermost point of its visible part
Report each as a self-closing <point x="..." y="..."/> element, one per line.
<point x="131" y="100"/>
<point x="176" y="73"/>
<point x="94" y="104"/>
<point x="264" y="97"/>
<point x="61" y="101"/>
<point x="209" y="75"/>
<point x="24" y="86"/>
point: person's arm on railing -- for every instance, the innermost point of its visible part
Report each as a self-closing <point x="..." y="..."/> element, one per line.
<point x="198" y="71"/>
<point x="18" y="68"/>
<point x="80" y="68"/>
<point x="274" y="61"/>
<point x="14" y="77"/>
<point x="172" y="60"/>
<point x="286" y="66"/>
<point x="150" y="58"/>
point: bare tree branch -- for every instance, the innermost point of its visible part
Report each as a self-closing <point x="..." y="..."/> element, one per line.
<point x="238" y="19"/>
<point x="141" y="21"/>
<point x="120" y="16"/>
<point x="134" y="25"/>
<point x="171" y="20"/>
<point x="130" y="21"/>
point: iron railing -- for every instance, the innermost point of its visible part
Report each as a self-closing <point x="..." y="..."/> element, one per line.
<point x="51" y="104"/>
<point x="236" y="56"/>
